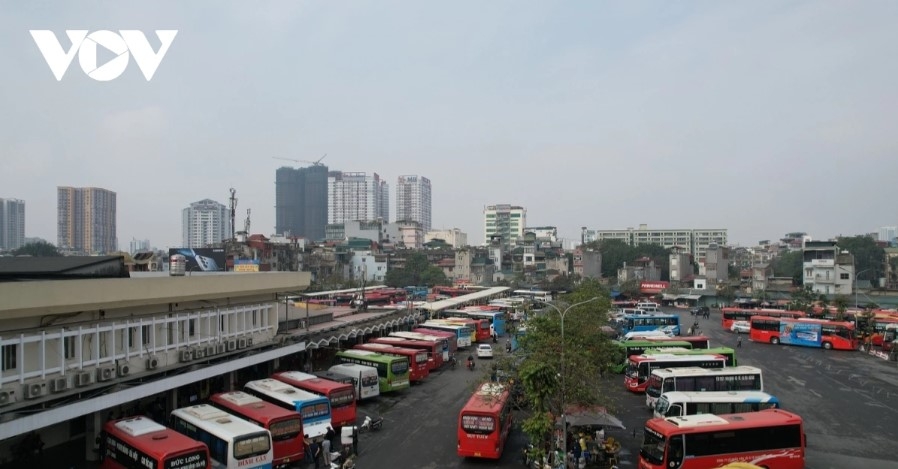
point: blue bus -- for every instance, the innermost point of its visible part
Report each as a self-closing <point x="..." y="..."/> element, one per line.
<point x="667" y="323"/>
<point x="516" y="337"/>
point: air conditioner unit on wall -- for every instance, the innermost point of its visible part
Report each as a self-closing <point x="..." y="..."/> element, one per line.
<point x="199" y="353"/>
<point x="84" y="378"/>
<point x="211" y="350"/>
<point x="249" y="341"/>
<point x="7" y="396"/>
<point x="221" y="348"/>
<point x="185" y="355"/>
<point x="123" y="370"/>
<point x="106" y="373"/>
<point x="34" y="390"/>
<point x="241" y="343"/>
<point x="59" y="384"/>
<point x="232" y="345"/>
<point x="152" y="362"/>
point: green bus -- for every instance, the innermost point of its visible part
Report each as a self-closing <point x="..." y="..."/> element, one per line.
<point x="392" y="371"/>
<point x="629" y="348"/>
<point x="727" y="352"/>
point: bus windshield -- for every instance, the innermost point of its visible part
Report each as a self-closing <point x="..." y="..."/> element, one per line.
<point x="399" y="367"/>
<point x="285" y="429"/>
<point x="653" y="447"/>
<point x="255" y="444"/>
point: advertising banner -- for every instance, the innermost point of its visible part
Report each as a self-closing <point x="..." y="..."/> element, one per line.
<point x="202" y="259"/>
<point x="246" y="265"/>
<point x="653" y="286"/>
<point x="797" y="333"/>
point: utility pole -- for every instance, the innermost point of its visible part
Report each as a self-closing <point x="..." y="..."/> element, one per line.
<point x="233" y="211"/>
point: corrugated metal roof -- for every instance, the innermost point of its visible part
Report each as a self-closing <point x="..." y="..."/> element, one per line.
<point x="461" y="300"/>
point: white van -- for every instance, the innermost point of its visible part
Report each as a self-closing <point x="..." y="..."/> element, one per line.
<point x="650" y="307"/>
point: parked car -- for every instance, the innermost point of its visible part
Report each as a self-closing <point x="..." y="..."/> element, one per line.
<point x="741" y="327"/>
<point x="484" y="351"/>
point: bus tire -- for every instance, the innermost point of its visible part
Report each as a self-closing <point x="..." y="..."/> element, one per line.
<point x="827" y="346"/>
<point x="774" y="340"/>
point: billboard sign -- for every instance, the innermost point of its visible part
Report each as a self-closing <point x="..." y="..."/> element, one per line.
<point x="246" y="265"/>
<point x="800" y="333"/>
<point x="202" y="259"/>
<point x="653" y="286"/>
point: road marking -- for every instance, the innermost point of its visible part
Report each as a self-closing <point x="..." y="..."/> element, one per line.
<point x="815" y="393"/>
<point x="796" y="381"/>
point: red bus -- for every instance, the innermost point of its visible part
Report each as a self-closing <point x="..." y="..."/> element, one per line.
<point x="729" y="315"/>
<point x="804" y="332"/>
<point x="451" y="338"/>
<point x="141" y="442"/>
<point x="434" y="349"/>
<point x="639" y="367"/>
<point x="340" y="395"/>
<point x="485" y="422"/>
<point x="772" y="438"/>
<point x="442" y="342"/>
<point x="285" y="425"/>
<point x="417" y="359"/>
<point x="697" y="341"/>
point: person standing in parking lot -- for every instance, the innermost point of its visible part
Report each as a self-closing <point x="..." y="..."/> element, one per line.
<point x="739" y="340"/>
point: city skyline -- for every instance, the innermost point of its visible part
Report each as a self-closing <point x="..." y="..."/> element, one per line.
<point x="600" y="114"/>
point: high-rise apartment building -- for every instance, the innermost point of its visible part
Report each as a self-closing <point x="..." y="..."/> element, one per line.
<point x="139" y="245"/>
<point x="888" y="234"/>
<point x="506" y="221"/>
<point x="413" y="200"/>
<point x="690" y="241"/>
<point x="357" y="196"/>
<point x="204" y="223"/>
<point x="301" y="201"/>
<point x="12" y="224"/>
<point x="86" y="220"/>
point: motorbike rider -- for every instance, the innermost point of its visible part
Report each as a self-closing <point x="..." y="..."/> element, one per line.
<point x="471" y="361"/>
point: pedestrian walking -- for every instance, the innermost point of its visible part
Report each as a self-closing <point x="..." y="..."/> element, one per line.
<point x="326" y="452"/>
<point x="739" y="340"/>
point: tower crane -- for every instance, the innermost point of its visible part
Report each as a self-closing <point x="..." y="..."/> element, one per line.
<point x="313" y="163"/>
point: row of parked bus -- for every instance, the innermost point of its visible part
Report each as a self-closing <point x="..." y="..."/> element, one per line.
<point x="708" y="410"/>
<point x="263" y="425"/>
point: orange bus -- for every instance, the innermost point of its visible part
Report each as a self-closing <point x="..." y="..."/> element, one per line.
<point x="773" y="437"/>
<point x="730" y="315"/>
<point x="485" y="422"/>
<point x="141" y="442"/>
<point x="417" y="359"/>
<point x="341" y="395"/>
<point x="285" y="425"/>
<point x="804" y="332"/>
<point x="434" y="349"/>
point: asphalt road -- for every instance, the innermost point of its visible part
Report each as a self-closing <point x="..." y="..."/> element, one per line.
<point x="849" y="402"/>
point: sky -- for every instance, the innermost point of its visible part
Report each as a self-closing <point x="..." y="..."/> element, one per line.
<point x="761" y="117"/>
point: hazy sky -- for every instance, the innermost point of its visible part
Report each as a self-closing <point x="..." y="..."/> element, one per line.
<point x="758" y="117"/>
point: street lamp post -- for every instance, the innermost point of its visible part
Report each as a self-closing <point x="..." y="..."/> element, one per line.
<point x="563" y="414"/>
<point x="855" y="285"/>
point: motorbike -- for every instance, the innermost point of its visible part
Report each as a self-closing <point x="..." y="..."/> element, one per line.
<point x="370" y="424"/>
<point x="453" y="362"/>
<point x="471" y="365"/>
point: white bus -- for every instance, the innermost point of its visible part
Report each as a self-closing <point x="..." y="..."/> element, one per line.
<point x="462" y="333"/>
<point x="683" y="403"/>
<point x="734" y="378"/>
<point x="535" y="295"/>
<point x="315" y="409"/>
<point x="365" y="378"/>
<point x="649" y="307"/>
<point x="233" y="442"/>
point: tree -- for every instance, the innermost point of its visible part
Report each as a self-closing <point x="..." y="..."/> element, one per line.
<point x="802" y="299"/>
<point x="616" y="252"/>
<point x="867" y="255"/>
<point x="38" y="249"/>
<point x="588" y="354"/>
<point x="789" y="265"/>
<point x="841" y="307"/>
<point x="417" y="271"/>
